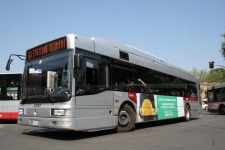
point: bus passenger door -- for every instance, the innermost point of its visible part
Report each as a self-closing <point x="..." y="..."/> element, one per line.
<point x="94" y="102"/>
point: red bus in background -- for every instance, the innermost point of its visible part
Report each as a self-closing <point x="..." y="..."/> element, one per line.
<point x="216" y="98"/>
<point x="10" y="94"/>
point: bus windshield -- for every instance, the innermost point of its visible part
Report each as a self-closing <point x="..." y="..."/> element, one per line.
<point x="48" y="79"/>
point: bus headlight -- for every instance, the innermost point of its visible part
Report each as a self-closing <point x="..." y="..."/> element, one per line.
<point x="60" y="112"/>
<point x="21" y="111"/>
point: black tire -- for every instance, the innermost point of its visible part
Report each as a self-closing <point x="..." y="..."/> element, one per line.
<point x="187" y="113"/>
<point x="222" y="109"/>
<point x="126" y="119"/>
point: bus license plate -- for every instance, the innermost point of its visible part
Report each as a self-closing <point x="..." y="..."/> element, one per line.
<point x="35" y="123"/>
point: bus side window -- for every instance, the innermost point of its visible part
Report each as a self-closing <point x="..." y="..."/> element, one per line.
<point x="92" y="74"/>
<point x="1" y="94"/>
<point x="11" y="93"/>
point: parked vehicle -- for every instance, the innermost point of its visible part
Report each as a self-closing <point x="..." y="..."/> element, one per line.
<point x="204" y="106"/>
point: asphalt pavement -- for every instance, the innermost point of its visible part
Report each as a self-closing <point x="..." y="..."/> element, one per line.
<point x="204" y="132"/>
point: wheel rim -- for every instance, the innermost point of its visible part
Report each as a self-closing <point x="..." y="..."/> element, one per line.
<point x="188" y="114"/>
<point x="124" y="118"/>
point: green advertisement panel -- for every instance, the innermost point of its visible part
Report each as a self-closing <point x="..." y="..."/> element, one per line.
<point x="166" y="107"/>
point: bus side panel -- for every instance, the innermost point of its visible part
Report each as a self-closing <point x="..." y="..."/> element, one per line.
<point x="180" y="108"/>
<point x="9" y="115"/>
<point x="9" y="109"/>
<point x="1" y="109"/>
<point x="158" y="107"/>
<point x="214" y="107"/>
<point x="93" y="112"/>
<point x="194" y="105"/>
<point x="169" y="107"/>
<point x="100" y="99"/>
<point x="96" y="123"/>
<point x="11" y="106"/>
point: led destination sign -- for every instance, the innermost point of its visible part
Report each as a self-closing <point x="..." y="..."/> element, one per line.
<point x="47" y="48"/>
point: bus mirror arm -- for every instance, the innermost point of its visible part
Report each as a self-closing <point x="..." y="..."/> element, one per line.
<point x="75" y="72"/>
<point x="10" y="60"/>
<point x="78" y="61"/>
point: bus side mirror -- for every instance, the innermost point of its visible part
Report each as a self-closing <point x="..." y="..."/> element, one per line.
<point x="78" y="61"/>
<point x="8" y="64"/>
<point x="10" y="60"/>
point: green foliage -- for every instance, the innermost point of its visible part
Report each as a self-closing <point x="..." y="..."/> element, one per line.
<point x="212" y="77"/>
<point x="222" y="50"/>
<point x="216" y="76"/>
<point x="201" y="75"/>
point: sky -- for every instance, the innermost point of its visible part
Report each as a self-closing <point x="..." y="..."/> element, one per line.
<point x="185" y="33"/>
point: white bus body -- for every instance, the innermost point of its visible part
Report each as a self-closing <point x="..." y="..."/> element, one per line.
<point x="10" y="90"/>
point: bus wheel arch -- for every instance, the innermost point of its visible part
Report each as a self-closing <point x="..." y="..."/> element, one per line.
<point x="126" y="117"/>
<point x="222" y="109"/>
<point x="187" y="112"/>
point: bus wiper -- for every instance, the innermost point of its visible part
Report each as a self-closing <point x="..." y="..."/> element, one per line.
<point x="61" y="91"/>
<point x="50" y="97"/>
<point x="48" y="92"/>
<point x="58" y="92"/>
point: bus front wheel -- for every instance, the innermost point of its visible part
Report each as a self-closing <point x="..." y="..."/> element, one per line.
<point x="187" y="113"/>
<point x="126" y="119"/>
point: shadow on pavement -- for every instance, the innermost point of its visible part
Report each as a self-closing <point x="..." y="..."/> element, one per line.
<point x="161" y="123"/>
<point x="68" y="135"/>
<point x="8" y="121"/>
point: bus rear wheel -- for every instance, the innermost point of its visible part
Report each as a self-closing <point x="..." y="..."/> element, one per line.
<point x="187" y="113"/>
<point x="126" y="119"/>
<point x="222" y="109"/>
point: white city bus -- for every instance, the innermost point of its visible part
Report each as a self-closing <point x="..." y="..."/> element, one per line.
<point x="90" y="84"/>
<point x="216" y="98"/>
<point x="10" y="91"/>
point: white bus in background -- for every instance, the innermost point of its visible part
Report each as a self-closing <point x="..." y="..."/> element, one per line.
<point x="88" y="84"/>
<point x="10" y="94"/>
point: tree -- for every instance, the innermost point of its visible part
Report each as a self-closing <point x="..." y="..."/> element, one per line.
<point x="201" y="75"/>
<point x="222" y="50"/>
<point x="216" y="76"/>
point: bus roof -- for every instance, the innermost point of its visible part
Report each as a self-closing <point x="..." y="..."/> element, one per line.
<point x="216" y="86"/>
<point x="138" y="52"/>
<point x="145" y="55"/>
